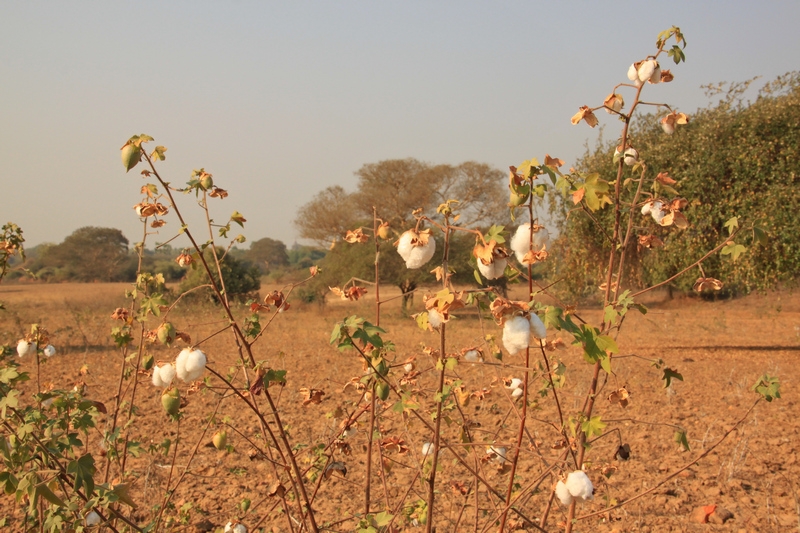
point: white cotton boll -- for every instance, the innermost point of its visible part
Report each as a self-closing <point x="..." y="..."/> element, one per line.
<point x="580" y="486"/>
<point x="163" y="375"/>
<point x="408" y="367"/>
<point x="26" y="348"/>
<point x="427" y="449"/>
<point x="646" y="208"/>
<point x="633" y="74"/>
<point x="657" y="212"/>
<point x="230" y="527"/>
<point x="415" y="256"/>
<point x="180" y="363"/>
<point x="516" y="383"/>
<point x="420" y="255"/>
<point x="646" y="70"/>
<point x="537" y="327"/>
<point x="493" y="270"/>
<point x="655" y="77"/>
<point x="520" y="242"/>
<point x="49" y="350"/>
<point x="435" y="318"/>
<point x="194" y="365"/>
<point x="473" y="356"/>
<point x="668" y="127"/>
<point x="499" y="453"/>
<point x="516" y="334"/>
<point x="631" y="156"/>
<point x="517" y="394"/>
<point x="92" y="519"/>
<point x="562" y="492"/>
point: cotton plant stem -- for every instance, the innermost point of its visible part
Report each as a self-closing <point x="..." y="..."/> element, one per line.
<point x="437" y="430"/>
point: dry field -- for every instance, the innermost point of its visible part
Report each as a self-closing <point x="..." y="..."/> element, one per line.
<point x="721" y="348"/>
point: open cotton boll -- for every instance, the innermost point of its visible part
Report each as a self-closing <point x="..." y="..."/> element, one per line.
<point x="657" y="212"/>
<point x="190" y="364"/>
<point x="427" y="449"/>
<point x="562" y="492"/>
<point x="92" y="519"/>
<point x="516" y="334"/>
<point x="580" y="486"/>
<point x="538" y="328"/>
<point x="521" y="241"/>
<point x="26" y="348"/>
<point x="516" y="383"/>
<point x="493" y="270"/>
<point x="412" y="253"/>
<point x="646" y="208"/>
<point x="49" y="350"/>
<point x="230" y="527"/>
<point x="517" y="393"/>
<point x="435" y="318"/>
<point x="499" y="453"/>
<point x="647" y="69"/>
<point x="473" y="356"/>
<point x="163" y="375"/>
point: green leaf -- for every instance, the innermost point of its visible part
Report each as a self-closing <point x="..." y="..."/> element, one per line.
<point x="383" y="518"/>
<point x="670" y="374"/>
<point x="760" y="236"/>
<point x="275" y="376"/>
<point x="596" y="196"/>
<point x="768" y="387"/>
<point x="734" y="250"/>
<point x="593" y="427"/>
<point x="732" y="224"/>
<point x="44" y="491"/>
<point x="83" y="469"/>
<point x="680" y="438"/>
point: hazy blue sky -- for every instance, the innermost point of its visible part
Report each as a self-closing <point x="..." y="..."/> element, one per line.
<point x="281" y="99"/>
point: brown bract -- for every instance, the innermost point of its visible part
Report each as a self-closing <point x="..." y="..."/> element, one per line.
<point x="444" y="302"/>
<point x="586" y="114"/>
<point x="649" y="241"/>
<point x="489" y="252"/>
<point x="352" y="293"/>
<point x="535" y="256"/>
<point x="674" y="215"/>
<point x="277" y="299"/>
<point x="120" y="313"/>
<point x="553" y="162"/>
<point x="665" y="179"/>
<point x="503" y="309"/>
<point x="666" y="76"/>
<point x="311" y="395"/>
<point x="356" y="236"/>
<point x="216" y="192"/>
<point x="620" y="396"/>
<point x="614" y="102"/>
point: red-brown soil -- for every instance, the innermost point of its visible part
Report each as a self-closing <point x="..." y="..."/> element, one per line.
<point x="720" y="348"/>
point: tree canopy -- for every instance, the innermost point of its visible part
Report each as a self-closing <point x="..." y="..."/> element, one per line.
<point x="396" y="187"/>
<point x="88" y="254"/>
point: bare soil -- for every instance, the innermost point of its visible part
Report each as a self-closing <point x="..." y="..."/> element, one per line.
<point x="720" y="348"/>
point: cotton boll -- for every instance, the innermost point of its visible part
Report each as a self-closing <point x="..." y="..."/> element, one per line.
<point x="633" y="74"/>
<point x="473" y="356"/>
<point x="493" y="270"/>
<point x="517" y="394"/>
<point x="516" y="334"/>
<point x="562" y="492"/>
<point x="647" y="69"/>
<point x="420" y="255"/>
<point x="646" y="208"/>
<point x="520" y="242"/>
<point x="580" y="486"/>
<point x="435" y="318"/>
<point x="499" y="452"/>
<point x="230" y="527"/>
<point x="516" y="383"/>
<point x="194" y="365"/>
<point x="163" y="375"/>
<point x="537" y="327"/>
<point x="92" y="519"/>
<point x="180" y="363"/>
<point x="427" y="449"/>
<point x="631" y="156"/>
<point x="49" y="350"/>
<point x="657" y="212"/>
<point x="655" y="77"/>
<point x="26" y="348"/>
<point x="404" y="245"/>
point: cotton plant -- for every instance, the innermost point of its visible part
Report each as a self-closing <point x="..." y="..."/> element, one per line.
<point x="416" y="247"/>
<point x="528" y="237"/>
<point x="578" y="487"/>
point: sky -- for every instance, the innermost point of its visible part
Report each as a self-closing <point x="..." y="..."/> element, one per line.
<point x="279" y="100"/>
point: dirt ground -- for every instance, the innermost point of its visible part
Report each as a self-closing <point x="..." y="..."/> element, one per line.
<point x="720" y="348"/>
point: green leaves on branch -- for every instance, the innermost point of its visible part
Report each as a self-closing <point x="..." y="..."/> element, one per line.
<point x="768" y="387"/>
<point x="355" y="327"/>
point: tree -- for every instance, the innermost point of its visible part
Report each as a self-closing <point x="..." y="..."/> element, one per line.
<point x="267" y="254"/>
<point x="241" y="278"/>
<point x="90" y="254"/>
<point x="395" y="188"/>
